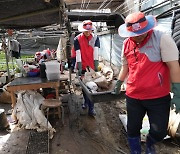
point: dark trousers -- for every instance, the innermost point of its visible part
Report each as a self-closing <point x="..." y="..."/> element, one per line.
<point x="88" y="103"/>
<point x="73" y="62"/>
<point x="158" y="114"/>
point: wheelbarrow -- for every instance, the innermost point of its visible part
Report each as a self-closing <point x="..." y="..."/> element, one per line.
<point x="104" y="96"/>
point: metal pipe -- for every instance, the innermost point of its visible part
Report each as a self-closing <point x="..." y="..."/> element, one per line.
<point x="4" y="46"/>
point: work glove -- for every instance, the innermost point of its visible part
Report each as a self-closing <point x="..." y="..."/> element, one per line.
<point x="96" y="64"/>
<point x="117" y="88"/>
<point x="176" y="98"/>
<point x="79" y="67"/>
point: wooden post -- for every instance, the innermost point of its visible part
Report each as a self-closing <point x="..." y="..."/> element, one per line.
<point x="4" y="46"/>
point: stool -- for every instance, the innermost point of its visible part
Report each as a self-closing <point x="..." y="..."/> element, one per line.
<point x="54" y="104"/>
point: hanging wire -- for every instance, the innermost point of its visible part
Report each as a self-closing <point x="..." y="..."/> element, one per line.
<point x="107" y="4"/>
<point x="130" y="7"/>
<point x="119" y="6"/>
<point x="102" y="4"/>
<point x="88" y="4"/>
<point x="140" y="4"/>
<point x="82" y="4"/>
<point x="123" y="8"/>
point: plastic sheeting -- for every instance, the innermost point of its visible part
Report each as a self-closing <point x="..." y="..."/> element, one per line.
<point x="32" y="45"/>
<point x="29" y="114"/>
<point x="110" y="48"/>
<point x="164" y="24"/>
<point x="61" y="49"/>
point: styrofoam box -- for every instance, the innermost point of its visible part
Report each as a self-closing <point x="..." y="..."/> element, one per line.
<point x="52" y="65"/>
<point x="52" y="75"/>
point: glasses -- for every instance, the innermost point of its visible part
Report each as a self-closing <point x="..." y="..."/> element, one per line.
<point x="87" y="26"/>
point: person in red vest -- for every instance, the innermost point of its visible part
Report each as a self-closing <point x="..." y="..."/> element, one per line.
<point x="44" y="55"/>
<point x="150" y="62"/>
<point x="86" y="45"/>
<point x="47" y="54"/>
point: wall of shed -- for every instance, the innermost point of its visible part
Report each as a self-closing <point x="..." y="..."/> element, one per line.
<point x="34" y="44"/>
<point x="111" y="46"/>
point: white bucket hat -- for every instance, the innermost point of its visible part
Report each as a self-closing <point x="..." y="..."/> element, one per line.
<point x="86" y="25"/>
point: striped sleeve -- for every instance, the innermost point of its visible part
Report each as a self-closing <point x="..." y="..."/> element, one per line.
<point x="77" y="50"/>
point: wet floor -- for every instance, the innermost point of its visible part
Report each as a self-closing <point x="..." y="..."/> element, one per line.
<point x="80" y="134"/>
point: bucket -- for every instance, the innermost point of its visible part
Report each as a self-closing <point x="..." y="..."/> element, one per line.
<point x="3" y="120"/>
<point x="42" y="70"/>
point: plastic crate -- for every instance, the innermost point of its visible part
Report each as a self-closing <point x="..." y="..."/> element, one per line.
<point x="52" y="75"/>
<point x="52" y="65"/>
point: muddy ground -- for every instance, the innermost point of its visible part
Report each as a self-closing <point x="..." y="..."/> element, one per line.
<point x="82" y="134"/>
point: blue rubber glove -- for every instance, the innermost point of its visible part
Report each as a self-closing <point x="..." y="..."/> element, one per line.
<point x="79" y="67"/>
<point x="117" y="88"/>
<point x="176" y="98"/>
<point x="96" y="64"/>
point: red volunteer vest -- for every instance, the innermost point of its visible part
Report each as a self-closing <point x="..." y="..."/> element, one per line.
<point x="148" y="78"/>
<point x="87" y="51"/>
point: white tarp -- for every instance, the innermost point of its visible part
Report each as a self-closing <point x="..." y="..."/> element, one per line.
<point x="28" y="113"/>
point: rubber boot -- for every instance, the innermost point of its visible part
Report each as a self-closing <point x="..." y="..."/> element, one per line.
<point x="135" y="145"/>
<point x="150" y="149"/>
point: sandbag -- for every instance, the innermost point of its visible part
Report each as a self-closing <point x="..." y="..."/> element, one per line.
<point x="102" y="82"/>
<point x="90" y="75"/>
<point x="173" y="125"/>
<point x="97" y="77"/>
<point x="108" y="73"/>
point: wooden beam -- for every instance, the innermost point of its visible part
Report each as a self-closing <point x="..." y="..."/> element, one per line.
<point x="29" y="14"/>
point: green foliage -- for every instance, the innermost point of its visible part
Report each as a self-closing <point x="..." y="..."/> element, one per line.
<point x="11" y="65"/>
<point x="18" y="70"/>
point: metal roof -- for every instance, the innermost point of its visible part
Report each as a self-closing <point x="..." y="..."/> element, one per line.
<point x="27" y="14"/>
